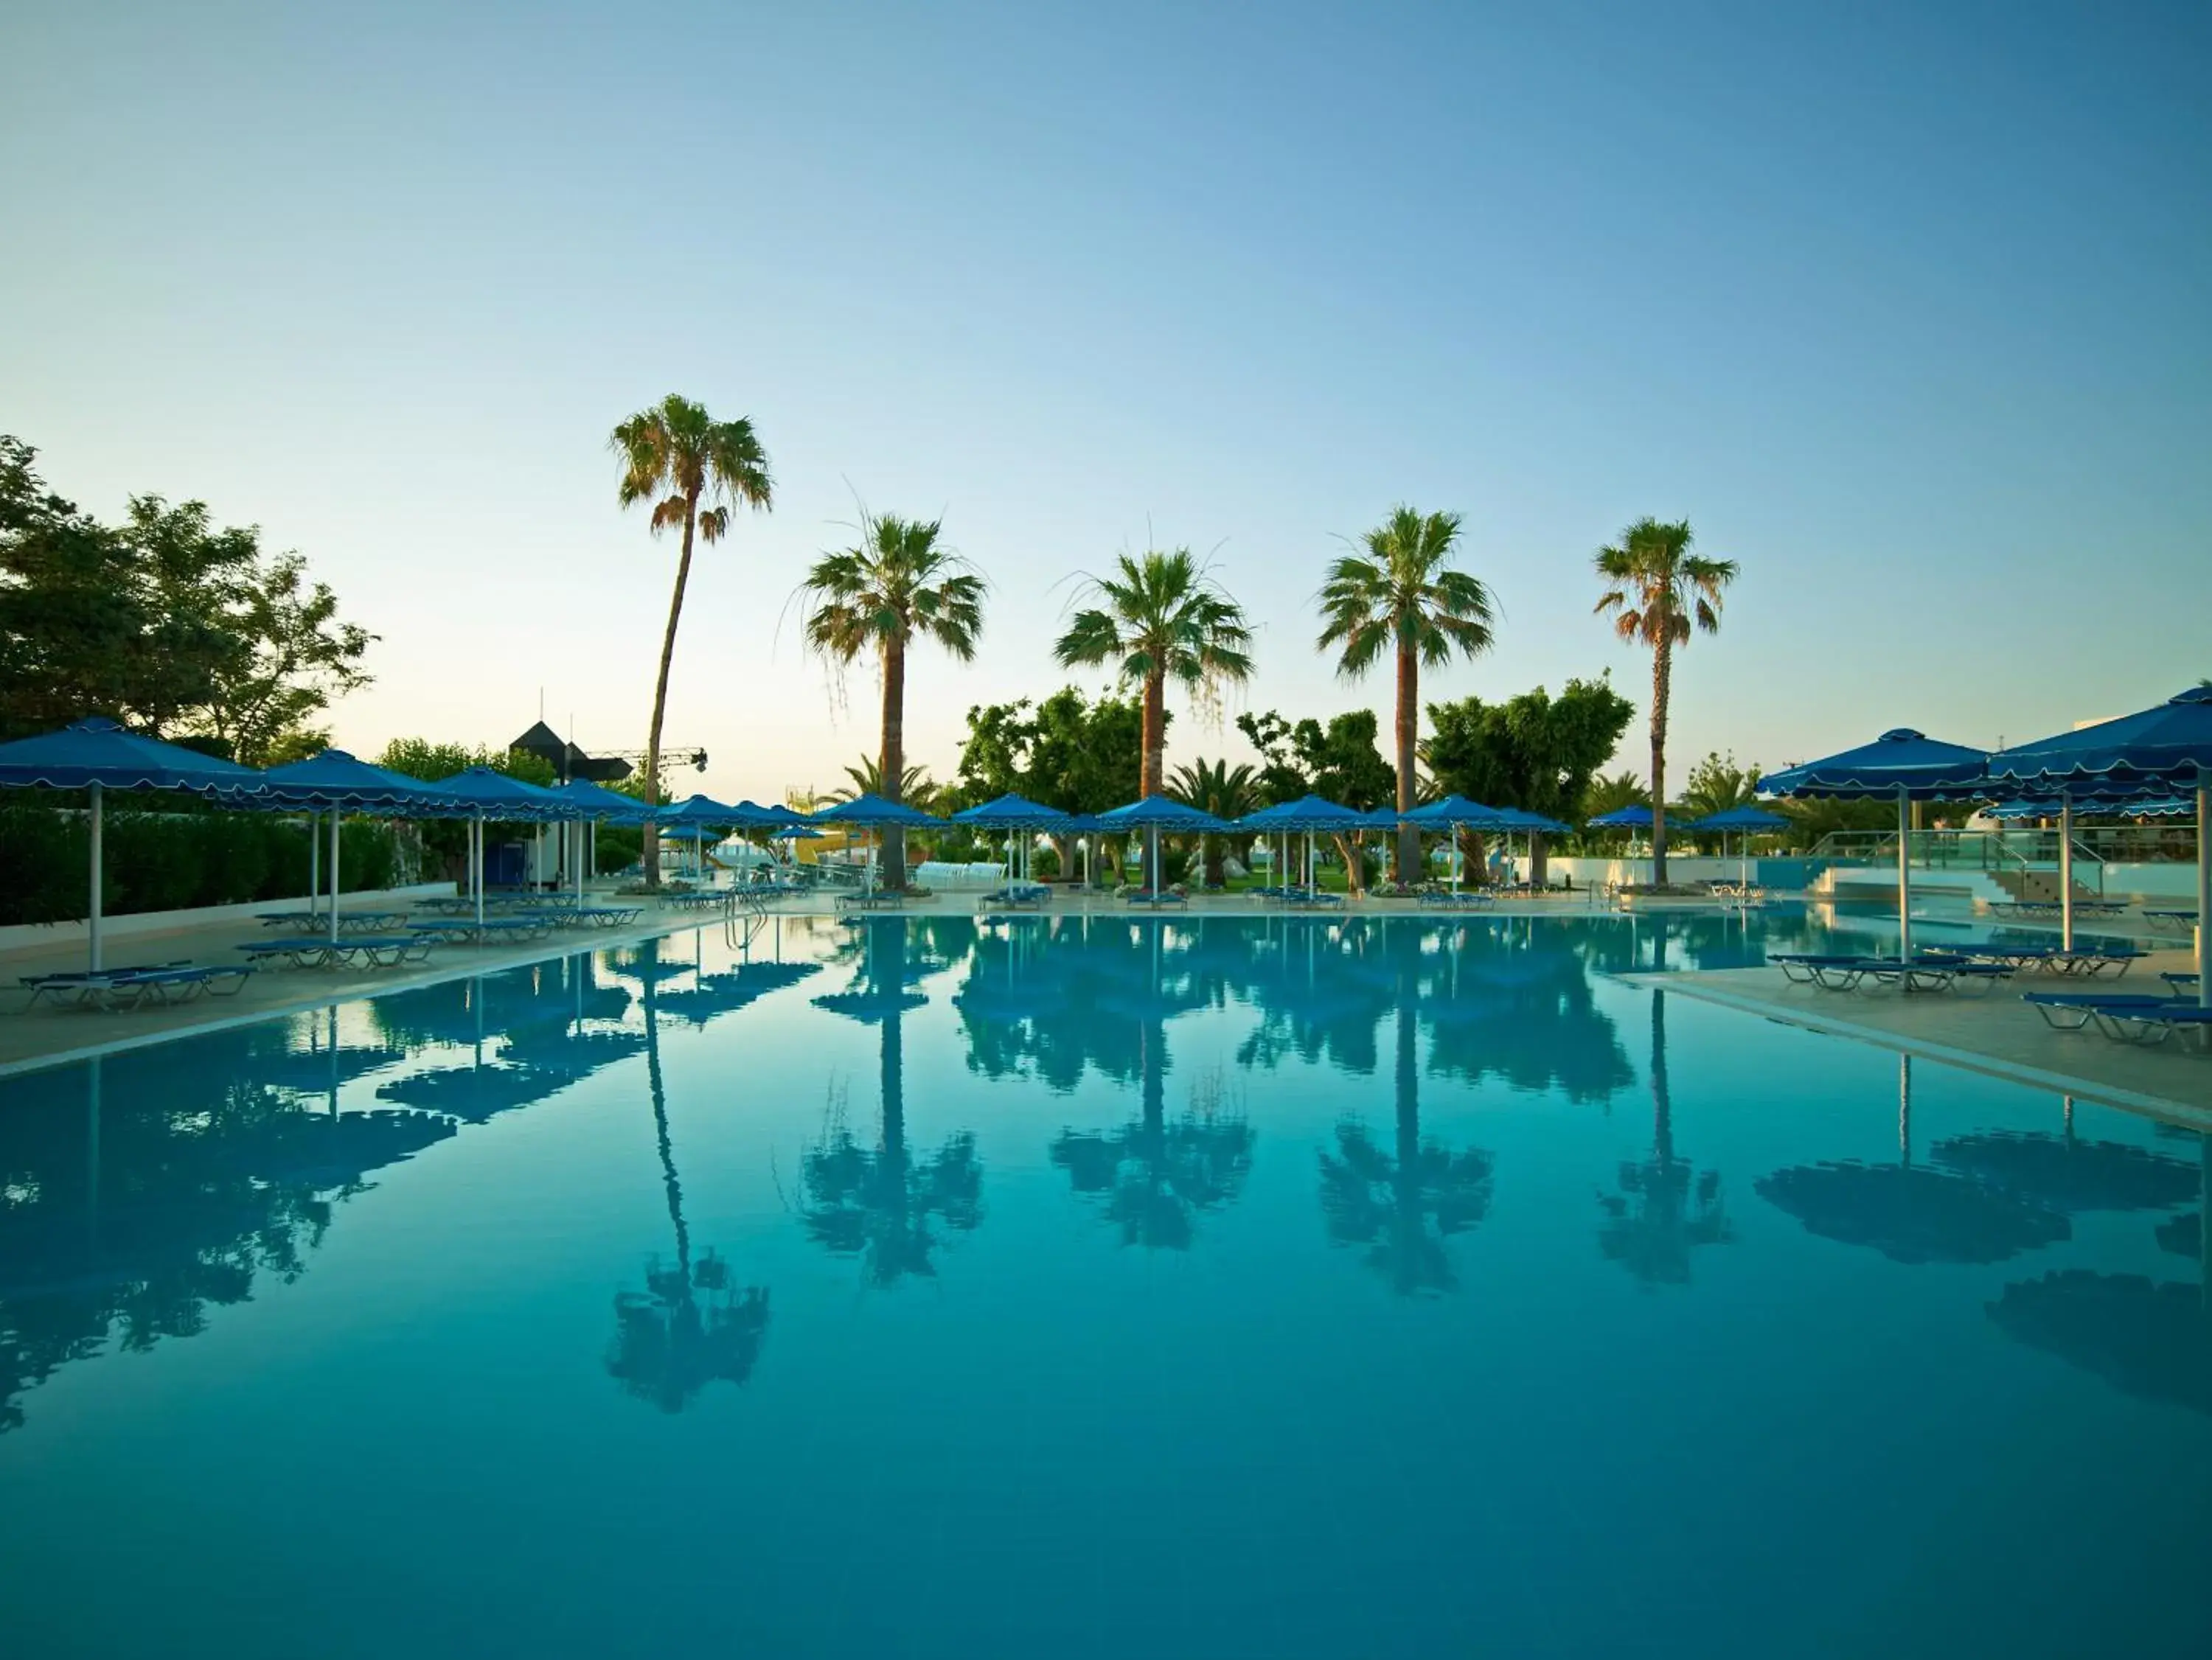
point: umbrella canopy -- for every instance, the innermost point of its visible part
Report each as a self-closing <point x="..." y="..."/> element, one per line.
<point x="1159" y="813"/>
<point x="97" y="755"/>
<point x="1454" y="809"/>
<point x="1901" y="759"/>
<point x="2149" y="753"/>
<point x="2168" y="746"/>
<point x="1902" y="763"/>
<point x="1622" y="818"/>
<point x="1516" y="818"/>
<point x="1748" y="819"/>
<point x="2164" y="807"/>
<point x="699" y="810"/>
<point x="337" y="779"/>
<point x="1381" y="818"/>
<point x="482" y="793"/>
<point x="1013" y="812"/>
<point x="751" y="815"/>
<point x="1306" y="813"/>
<point x="97" y="751"/>
<point x="872" y="812"/>
<point x="2145" y="1338"/>
<point x="596" y="801"/>
<point x="798" y="833"/>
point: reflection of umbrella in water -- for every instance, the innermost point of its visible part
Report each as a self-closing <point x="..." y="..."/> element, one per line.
<point x="569" y="1054"/>
<point x="2147" y="1340"/>
<point x="472" y="1094"/>
<point x="1908" y="1214"/>
<point x="2065" y="1174"/>
<point x="716" y="995"/>
<point x="690" y="1325"/>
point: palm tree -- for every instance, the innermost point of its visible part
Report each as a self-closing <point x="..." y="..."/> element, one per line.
<point x="866" y="778"/>
<point x="876" y="599"/>
<point x="1609" y="795"/>
<point x="671" y="1340"/>
<point x="1160" y="618"/>
<point x="1665" y="1209"/>
<point x="1659" y="590"/>
<point x="1400" y="595"/>
<point x="678" y="455"/>
<point x="1225" y="792"/>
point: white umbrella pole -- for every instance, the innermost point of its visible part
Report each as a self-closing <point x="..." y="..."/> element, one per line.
<point x="2066" y="869"/>
<point x="334" y="874"/>
<point x="1904" y="874"/>
<point x="92" y="916"/>
<point x="579" y="828"/>
<point x="476" y="863"/>
<point x="2204" y="887"/>
<point x="314" y="867"/>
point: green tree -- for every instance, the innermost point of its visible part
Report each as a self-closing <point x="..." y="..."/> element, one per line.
<point x="865" y="776"/>
<point x="1534" y="751"/>
<point x="1339" y="762"/>
<point x="446" y="839"/>
<point x="166" y="621"/>
<point x="1401" y="595"/>
<point x="676" y="455"/>
<point x="1225" y="792"/>
<point x="1609" y="795"/>
<point x="1717" y="785"/>
<point x="1659" y="592"/>
<point x="875" y="599"/>
<point x="1160" y="618"/>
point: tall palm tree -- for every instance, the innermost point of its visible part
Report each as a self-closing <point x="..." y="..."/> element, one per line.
<point x="1157" y="619"/>
<point x="1225" y="792"/>
<point x="1400" y="595"/>
<point x="676" y="455"/>
<point x="875" y="599"/>
<point x="1659" y="590"/>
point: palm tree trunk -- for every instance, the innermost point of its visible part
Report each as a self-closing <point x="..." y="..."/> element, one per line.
<point x="1153" y="765"/>
<point x="1662" y="1115"/>
<point x="1409" y="732"/>
<point x="1662" y="663"/>
<point x="649" y="853"/>
<point x="892" y="766"/>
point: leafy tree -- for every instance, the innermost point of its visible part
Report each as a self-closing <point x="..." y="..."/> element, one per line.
<point x="875" y="599"/>
<point x="166" y="621"/>
<point x="419" y="758"/>
<point x="1659" y="590"/>
<point x="1401" y="595"/>
<point x="865" y="776"/>
<point x="677" y="452"/>
<point x="1534" y="751"/>
<point x="1225" y="792"/>
<point x="1064" y="751"/>
<point x="1717" y="785"/>
<point x="1160" y="618"/>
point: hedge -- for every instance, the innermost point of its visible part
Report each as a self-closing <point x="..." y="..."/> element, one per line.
<point x="171" y="861"/>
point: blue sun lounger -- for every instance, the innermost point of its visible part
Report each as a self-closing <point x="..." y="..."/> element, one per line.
<point x="1015" y="896"/>
<point x="2143" y="1025"/>
<point x="2178" y="922"/>
<point x="128" y="988"/>
<point x="2072" y="1011"/>
<point x="1145" y="899"/>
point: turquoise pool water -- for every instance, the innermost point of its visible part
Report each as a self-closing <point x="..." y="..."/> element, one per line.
<point x="1170" y="1287"/>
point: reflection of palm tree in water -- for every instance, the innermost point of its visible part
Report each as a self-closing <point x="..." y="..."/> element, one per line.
<point x="1386" y="1201"/>
<point x="1664" y="1208"/>
<point x="878" y="1203"/>
<point x="688" y="1326"/>
<point x="1156" y="1174"/>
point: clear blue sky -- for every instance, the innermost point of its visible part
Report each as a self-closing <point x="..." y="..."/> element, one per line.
<point x="1907" y="307"/>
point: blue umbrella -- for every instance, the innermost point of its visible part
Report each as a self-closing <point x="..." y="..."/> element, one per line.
<point x="338" y="783"/>
<point x="96" y="755"/>
<point x="1013" y="813"/>
<point x="1450" y="814"/>
<point x="1902" y="763"/>
<point x="1309" y="813"/>
<point x="698" y="809"/>
<point x="2152" y="752"/>
<point x="872" y="812"/>
<point x="594" y="801"/>
<point x="1152" y="815"/>
<point x="484" y="795"/>
<point x="1744" y="821"/>
<point x="1623" y="818"/>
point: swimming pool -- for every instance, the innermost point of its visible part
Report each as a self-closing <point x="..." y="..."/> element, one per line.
<point x="1169" y="1287"/>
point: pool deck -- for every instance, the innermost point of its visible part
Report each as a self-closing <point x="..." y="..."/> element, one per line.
<point x="1996" y="1033"/>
